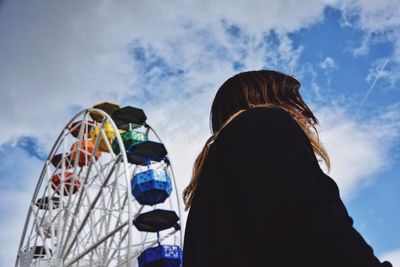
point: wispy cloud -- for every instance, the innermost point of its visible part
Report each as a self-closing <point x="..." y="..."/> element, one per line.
<point x="379" y="22"/>
<point x="377" y="75"/>
<point x="328" y="63"/>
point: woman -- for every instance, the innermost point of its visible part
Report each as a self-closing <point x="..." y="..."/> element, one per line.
<point x="258" y="196"/>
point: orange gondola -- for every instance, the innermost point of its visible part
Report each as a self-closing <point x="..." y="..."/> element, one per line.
<point x="85" y="152"/>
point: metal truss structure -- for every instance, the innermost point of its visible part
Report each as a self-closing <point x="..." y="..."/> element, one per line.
<point x="82" y="208"/>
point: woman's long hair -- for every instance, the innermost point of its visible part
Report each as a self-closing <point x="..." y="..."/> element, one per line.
<point x="246" y="90"/>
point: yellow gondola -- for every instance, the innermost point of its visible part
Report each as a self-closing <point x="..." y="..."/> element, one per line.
<point x="109" y="132"/>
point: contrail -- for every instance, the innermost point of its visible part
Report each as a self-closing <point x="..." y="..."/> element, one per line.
<point x="378" y="75"/>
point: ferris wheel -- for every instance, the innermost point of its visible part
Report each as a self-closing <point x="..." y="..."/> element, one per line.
<point x="106" y="196"/>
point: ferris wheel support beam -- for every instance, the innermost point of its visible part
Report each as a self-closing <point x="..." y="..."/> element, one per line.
<point x="41" y="234"/>
<point x="99" y="242"/>
<point x="123" y="238"/>
<point x="74" y="177"/>
<point x="108" y="223"/>
<point x="119" y="246"/>
<point x="69" y="246"/>
<point x="97" y="142"/>
<point x="115" y="251"/>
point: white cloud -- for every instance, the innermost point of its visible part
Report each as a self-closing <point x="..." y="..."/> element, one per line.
<point x="62" y="56"/>
<point x="392" y="256"/>
<point x="328" y="63"/>
<point x="359" y="148"/>
<point x="373" y="16"/>
<point x="378" y="71"/>
<point x="380" y="22"/>
<point x="363" y="48"/>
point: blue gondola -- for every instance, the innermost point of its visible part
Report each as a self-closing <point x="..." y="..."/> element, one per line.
<point x="151" y="187"/>
<point x="161" y="255"/>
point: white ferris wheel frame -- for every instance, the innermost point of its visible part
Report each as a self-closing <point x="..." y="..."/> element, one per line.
<point x="120" y="158"/>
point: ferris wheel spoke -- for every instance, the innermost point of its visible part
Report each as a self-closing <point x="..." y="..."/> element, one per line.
<point x="107" y="201"/>
<point x="118" y="248"/>
<point x="124" y="236"/>
<point x="149" y="243"/>
<point x="70" y="201"/>
<point x="38" y="220"/>
<point x="100" y="172"/>
<point x="78" y="205"/>
<point x="119" y="217"/>
<point x="41" y="234"/>
<point x="112" y="203"/>
<point x="99" y="242"/>
<point x="69" y="245"/>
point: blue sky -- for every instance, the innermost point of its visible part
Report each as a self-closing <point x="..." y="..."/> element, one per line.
<point x="59" y="58"/>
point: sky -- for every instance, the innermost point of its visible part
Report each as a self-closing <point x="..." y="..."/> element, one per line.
<point x="170" y="57"/>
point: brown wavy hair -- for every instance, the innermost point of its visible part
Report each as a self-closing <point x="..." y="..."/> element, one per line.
<point x="246" y="90"/>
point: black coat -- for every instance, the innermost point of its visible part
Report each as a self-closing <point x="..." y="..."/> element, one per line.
<point x="263" y="200"/>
